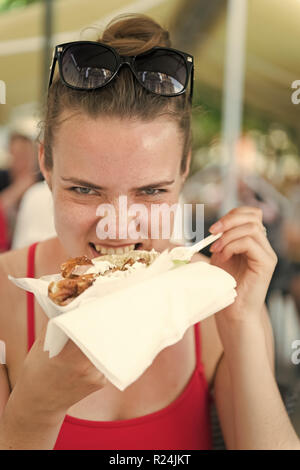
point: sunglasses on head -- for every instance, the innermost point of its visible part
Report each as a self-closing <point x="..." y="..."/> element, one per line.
<point x="87" y="65"/>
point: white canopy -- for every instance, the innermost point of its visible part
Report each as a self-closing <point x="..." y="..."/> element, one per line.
<point x="272" y="48"/>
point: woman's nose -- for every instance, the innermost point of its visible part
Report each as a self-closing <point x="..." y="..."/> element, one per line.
<point x="122" y="220"/>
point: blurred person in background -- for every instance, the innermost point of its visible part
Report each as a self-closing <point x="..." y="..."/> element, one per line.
<point x="20" y="175"/>
<point x="37" y="206"/>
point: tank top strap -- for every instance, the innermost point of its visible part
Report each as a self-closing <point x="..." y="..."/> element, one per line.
<point x="4" y="243"/>
<point x="199" y="363"/>
<point x="30" y="297"/>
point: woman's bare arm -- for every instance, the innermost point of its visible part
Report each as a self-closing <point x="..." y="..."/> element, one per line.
<point x="249" y="404"/>
<point x="22" y="430"/>
<point x="258" y="414"/>
<point x="222" y="384"/>
<point x="19" y="428"/>
<point x="33" y="412"/>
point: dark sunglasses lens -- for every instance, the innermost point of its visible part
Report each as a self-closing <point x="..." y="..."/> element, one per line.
<point x="162" y="72"/>
<point x="88" y="66"/>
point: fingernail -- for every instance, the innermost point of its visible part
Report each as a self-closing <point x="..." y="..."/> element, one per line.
<point x="217" y="227"/>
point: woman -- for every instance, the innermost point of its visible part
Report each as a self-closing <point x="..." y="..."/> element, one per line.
<point x="122" y="139"/>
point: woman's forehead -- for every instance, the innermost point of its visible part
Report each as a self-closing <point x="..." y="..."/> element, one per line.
<point x="106" y="145"/>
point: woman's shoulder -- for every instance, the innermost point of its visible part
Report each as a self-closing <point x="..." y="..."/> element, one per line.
<point x="11" y="297"/>
<point x="13" y="262"/>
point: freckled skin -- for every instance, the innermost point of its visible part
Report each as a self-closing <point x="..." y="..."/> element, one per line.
<point x="118" y="155"/>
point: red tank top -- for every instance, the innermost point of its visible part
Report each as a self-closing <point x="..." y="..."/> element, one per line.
<point x="4" y="243"/>
<point x="183" y="425"/>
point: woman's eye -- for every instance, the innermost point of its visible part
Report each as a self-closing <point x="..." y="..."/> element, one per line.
<point x="80" y="190"/>
<point x="153" y="191"/>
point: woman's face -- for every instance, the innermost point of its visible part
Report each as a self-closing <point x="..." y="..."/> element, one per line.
<point x="95" y="161"/>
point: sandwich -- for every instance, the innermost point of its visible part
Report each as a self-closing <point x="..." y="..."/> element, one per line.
<point x="78" y="274"/>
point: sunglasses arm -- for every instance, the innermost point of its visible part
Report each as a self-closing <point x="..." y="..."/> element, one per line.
<point x="192" y="84"/>
<point x="52" y="68"/>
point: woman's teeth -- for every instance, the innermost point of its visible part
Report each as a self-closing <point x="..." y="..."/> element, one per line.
<point x="113" y="251"/>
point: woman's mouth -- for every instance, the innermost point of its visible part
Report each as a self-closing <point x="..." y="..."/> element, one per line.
<point x="108" y="250"/>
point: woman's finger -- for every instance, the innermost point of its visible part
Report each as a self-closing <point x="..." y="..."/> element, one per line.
<point x="234" y="219"/>
<point x="252" y="229"/>
<point x="250" y="209"/>
<point x="256" y="255"/>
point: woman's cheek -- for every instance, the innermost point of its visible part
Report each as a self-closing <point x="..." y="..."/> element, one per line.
<point x="73" y="224"/>
<point x="66" y="217"/>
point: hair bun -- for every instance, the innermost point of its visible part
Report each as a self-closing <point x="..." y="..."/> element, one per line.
<point x="133" y="34"/>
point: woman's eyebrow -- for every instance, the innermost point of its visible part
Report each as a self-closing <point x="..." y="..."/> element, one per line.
<point x="91" y="185"/>
<point x="156" y="185"/>
<point x="87" y="184"/>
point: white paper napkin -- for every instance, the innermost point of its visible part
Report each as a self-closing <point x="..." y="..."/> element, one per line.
<point x="121" y="325"/>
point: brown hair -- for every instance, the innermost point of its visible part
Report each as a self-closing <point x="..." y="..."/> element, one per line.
<point x="124" y="97"/>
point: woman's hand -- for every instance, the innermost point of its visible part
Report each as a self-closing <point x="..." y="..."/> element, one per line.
<point x="46" y="388"/>
<point x="244" y="252"/>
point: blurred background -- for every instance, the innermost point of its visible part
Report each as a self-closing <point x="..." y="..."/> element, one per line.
<point x="245" y="122"/>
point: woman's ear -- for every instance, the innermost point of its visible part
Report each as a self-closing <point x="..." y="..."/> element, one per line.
<point x="46" y="173"/>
